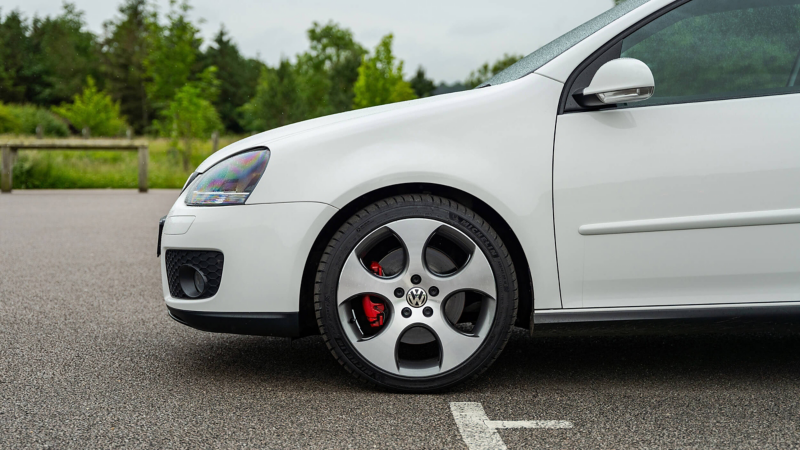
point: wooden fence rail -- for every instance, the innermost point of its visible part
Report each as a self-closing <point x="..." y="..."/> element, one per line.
<point x="9" y="151"/>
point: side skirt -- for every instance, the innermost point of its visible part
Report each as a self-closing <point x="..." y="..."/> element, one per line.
<point x="770" y="311"/>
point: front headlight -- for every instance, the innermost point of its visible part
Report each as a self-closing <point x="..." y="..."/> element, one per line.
<point x="229" y="182"/>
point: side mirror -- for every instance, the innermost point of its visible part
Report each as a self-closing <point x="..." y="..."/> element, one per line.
<point x="622" y="80"/>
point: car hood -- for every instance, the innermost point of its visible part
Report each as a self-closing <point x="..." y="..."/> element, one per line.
<point x="268" y="137"/>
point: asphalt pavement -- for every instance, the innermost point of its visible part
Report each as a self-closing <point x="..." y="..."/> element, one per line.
<point x="89" y="359"/>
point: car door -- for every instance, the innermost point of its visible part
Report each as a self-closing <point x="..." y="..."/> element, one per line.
<point x="693" y="196"/>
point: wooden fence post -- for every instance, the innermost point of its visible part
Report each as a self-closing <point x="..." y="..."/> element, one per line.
<point x="143" y="169"/>
<point x="215" y="141"/>
<point x="6" y="170"/>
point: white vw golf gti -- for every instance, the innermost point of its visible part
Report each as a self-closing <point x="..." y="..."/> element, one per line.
<point x="644" y="166"/>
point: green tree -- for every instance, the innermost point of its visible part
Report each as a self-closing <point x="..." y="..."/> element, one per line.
<point x="124" y="49"/>
<point x="422" y="85"/>
<point x="274" y="104"/>
<point x="14" y="57"/>
<point x="319" y="83"/>
<point x="190" y="114"/>
<point x="173" y="51"/>
<point x="325" y="74"/>
<point x="95" y="110"/>
<point x="62" y="55"/>
<point x="380" y="78"/>
<point x="238" y="78"/>
<point x="484" y="72"/>
<point x="336" y="56"/>
<point x="313" y="87"/>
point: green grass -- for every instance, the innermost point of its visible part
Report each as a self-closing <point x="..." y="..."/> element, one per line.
<point x="45" y="169"/>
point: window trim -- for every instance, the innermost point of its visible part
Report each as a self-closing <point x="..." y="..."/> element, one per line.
<point x="601" y="55"/>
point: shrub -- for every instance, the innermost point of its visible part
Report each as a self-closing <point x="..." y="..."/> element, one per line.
<point x="9" y="124"/>
<point x="28" y="117"/>
<point x="95" y="110"/>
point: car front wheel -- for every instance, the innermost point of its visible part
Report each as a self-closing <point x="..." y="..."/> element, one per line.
<point x="416" y="293"/>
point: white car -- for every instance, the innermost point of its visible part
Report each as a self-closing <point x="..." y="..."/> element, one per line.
<point x="645" y="165"/>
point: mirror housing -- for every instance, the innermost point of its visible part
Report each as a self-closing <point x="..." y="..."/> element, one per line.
<point x="623" y="80"/>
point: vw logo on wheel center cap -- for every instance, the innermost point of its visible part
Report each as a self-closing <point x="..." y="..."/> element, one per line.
<point x="416" y="297"/>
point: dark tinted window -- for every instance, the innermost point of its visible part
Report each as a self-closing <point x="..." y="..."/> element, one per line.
<point x="713" y="49"/>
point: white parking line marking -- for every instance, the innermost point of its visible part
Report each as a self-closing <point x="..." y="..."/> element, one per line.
<point x="527" y="424"/>
<point x="471" y="421"/>
<point x="480" y="433"/>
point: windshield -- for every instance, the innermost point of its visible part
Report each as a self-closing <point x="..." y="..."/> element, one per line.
<point x="547" y="53"/>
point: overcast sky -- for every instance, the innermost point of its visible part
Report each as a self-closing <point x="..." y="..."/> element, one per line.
<point x="447" y="37"/>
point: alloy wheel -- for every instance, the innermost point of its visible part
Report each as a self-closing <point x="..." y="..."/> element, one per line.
<point x="433" y="290"/>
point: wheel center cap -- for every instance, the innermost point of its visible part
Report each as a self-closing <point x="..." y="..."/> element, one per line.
<point x="417" y="297"/>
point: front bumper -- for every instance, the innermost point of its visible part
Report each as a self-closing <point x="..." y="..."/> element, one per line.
<point x="265" y="247"/>
<point x="258" y="324"/>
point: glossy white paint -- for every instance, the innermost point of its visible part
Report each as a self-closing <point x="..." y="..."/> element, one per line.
<point x="295" y="128"/>
<point x="742" y="219"/>
<point x="619" y="75"/>
<point x="178" y="224"/>
<point x="476" y="141"/>
<point x="265" y="248"/>
<point x="662" y="205"/>
<point x="678" y="171"/>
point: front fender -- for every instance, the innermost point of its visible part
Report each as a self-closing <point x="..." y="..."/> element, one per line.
<point x="495" y="143"/>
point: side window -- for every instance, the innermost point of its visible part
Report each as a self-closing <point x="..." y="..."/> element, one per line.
<point x="716" y="49"/>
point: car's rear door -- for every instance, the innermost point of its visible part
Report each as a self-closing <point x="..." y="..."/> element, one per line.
<point x="693" y="196"/>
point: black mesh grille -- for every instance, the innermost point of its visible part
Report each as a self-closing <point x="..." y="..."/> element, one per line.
<point x="208" y="262"/>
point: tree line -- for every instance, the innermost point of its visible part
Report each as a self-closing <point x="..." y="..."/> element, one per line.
<point x="152" y="74"/>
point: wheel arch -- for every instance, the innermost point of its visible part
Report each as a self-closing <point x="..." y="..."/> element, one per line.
<point x="308" y="321"/>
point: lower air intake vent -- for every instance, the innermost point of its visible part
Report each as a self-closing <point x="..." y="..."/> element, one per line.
<point x="198" y="271"/>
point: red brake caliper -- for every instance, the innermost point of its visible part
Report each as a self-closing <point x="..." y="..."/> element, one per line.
<point x="374" y="311"/>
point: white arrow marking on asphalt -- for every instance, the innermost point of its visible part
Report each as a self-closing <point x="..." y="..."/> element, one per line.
<point x="480" y="433"/>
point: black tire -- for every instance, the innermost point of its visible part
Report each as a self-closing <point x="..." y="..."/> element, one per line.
<point x="388" y="211"/>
